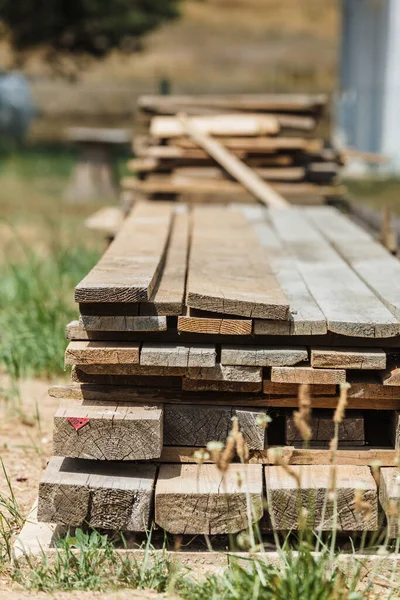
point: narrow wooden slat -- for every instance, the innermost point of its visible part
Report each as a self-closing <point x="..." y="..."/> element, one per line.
<point x="220" y="125"/>
<point x="189" y="500"/>
<point x="235" y="387"/>
<point x="292" y="389"/>
<point x="114" y="496"/>
<point x="102" y="353"/>
<point x="260" y="356"/>
<point x="167" y="298"/>
<point x="284" y="500"/>
<point x="351" y="358"/>
<point x="228" y="271"/>
<point x="192" y="322"/>
<point x="258" y="145"/>
<point x="178" y="355"/>
<point x="119" y="431"/>
<point x="349" y="306"/>
<point x="122" y="323"/>
<point x="307" y="375"/>
<point x="128" y="270"/>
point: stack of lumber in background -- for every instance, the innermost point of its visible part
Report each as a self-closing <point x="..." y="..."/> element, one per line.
<point x="195" y="315"/>
<point x="277" y="135"/>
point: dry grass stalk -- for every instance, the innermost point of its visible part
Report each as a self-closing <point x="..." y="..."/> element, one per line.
<point x="342" y="403"/>
<point x="360" y="505"/>
<point x="303" y="415"/>
<point x="278" y="459"/>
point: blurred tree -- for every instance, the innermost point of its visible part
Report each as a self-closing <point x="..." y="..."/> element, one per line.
<point x="91" y="27"/>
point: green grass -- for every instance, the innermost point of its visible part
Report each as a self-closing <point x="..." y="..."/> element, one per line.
<point x="11" y="520"/>
<point x="377" y="192"/>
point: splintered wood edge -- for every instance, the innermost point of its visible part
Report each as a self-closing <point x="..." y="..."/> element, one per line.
<point x="37" y="539"/>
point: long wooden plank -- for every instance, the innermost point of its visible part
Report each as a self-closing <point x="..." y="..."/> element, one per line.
<point x="123" y="323"/>
<point x="102" y="353"/>
<point x="228" y="271"/>
<point x="168" y="296"/>
<point x="114" y="496"/>
<point x="307" y="375"/>
<point x="258" y="145"/>
<point x="260" y="356"/>
<point x="284" y="498"/>
<point x="183" y="174"/>
<point x="292" y="389"/>
<point x="128" y="270"/>
<point x="306" y="318"/>
<point x="235" y="167"/>
<point x="178" y="355"/>
<point x="220" y="125"/>
<point x="200" y="322"/>
<point x="379" y="270"/>
<point x="189" y="500"/>
<point x="348" y="358"/>
<point x="106" y="431"/>
<point x="349" y="306"/>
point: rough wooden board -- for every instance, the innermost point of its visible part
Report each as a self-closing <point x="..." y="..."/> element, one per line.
<point x="108" y="220"/>
<point x="396" y="429"/>
<point x="348" y="358"/>
<point x="228" y="271"/>
<point x="269" y="173"/>
<point x="178" y="355"/>
<point x="260" y="356"/>
<point x="217" y="325"/>
<point x="218" y="125"/>
<point x="129" y="268"/>
<point x="359" y="456"/>
<point x="349" y="306"/>
<point x="261" y="144"/>
<point x="391" y="376"/>
<point x="379" y="270"/>
<point x="307" y="375"/>
<point x="167" y="298"/>
<point x="292" y="389"/>
<point x="332" y="401"/>
<point x="107" y="495"/>
<point x="285" y="500"/>
<point x="186" y="425"/>
<point x="127" y="369"/>
<point x="190" y="500"/>
<point x="133" y="381"/>
<point x="238" y="387"/>
<point x="102" y="353"/>
<point x="389" y="497"/>
<point x="253" y="431"/>
<point x="305" y="316"/>
<point x="104" y="323"/>
<point x="226" y="373"/>
<point x="351" y="429"/>
<point x="119" y="431"/>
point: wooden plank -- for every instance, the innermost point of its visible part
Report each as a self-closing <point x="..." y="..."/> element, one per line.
<point x="252" y="374"/>
<point x="375" y="391"/>
<point x="178" y="355"/>
<point x="257" y="145"/>
<point x="306" y="318"/>
<point x="391" y="376"/>
<point x="114" y="496"/>
<point x="192" y="322"/>
<point x="292" y="389"/>
<point x="349" y="306"/>
<point x="389" y="497"/>
<point x="228" y="271"/>
<point x="195" y="426"/>
<point x="351" y="429"/>
<point x="307" y="375"/>
<point x="129" y="268"/>
<point x="119" y="431"/>
<point x="261" y="356"/>
<point x="189" y="500"/>
<point x="102" y="353"/>
<point x="284" y="499"/>
<point x="123" y="323"/>
<point x="348" y="358"/>
<point x="183" y="174"/>
<point x="220" y="125"/>
<point x="396" y="429"/>
<point x="108" y="220"/>
<point x="167" y="298"/>
<point x="204" y="385"/>
<point x="332" y="401"/>
<point x="233" y="165"/>
<point x="140" y="381"/>
<point x="379" y="270"/>
<point x="133" y="369"/>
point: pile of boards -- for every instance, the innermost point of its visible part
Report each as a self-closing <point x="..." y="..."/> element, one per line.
<point x="195" y="315"/>
<point x="274" y="134"/>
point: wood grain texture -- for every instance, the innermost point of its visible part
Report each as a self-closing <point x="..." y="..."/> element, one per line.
<point x="285" y="499"/>
<point x="307" y="375"/>
<point x="348" y="358"/>
<point x="178" y="355"/>
<point x="168" y="296"/>
<point x="226" y="373"/>
<point x="260" y="356"/>
<point x="235" y="387"/>
<point x="107" y="495"/>
<point x="292" y="389"/>
<point x="215" y="325"/>
<point x="190" y="500"/>
<point x="123" y="323"/>
<point x="391" y="376"/>
<point x="119" y="431"/>
<point x="349" y="305"/>
<point x="133" y="369"/>
<point x="389" y="497"/>
<point x="396" y="429"/>
<point x="140" y="381"/>
<point x="351" y="429"/>
<point x="102" y="353"/>
<point x="228" y="271"/>
<point x="129" y="268"/>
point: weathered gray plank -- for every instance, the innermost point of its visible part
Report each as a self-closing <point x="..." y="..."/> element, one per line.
<point x="178" y="355"/>
<point x="307" y="375"/>
<point x="123" y="323"/>
<point x="261" y="356"/>
<point x="80" y="353"/>
<point x="348" y="358"/>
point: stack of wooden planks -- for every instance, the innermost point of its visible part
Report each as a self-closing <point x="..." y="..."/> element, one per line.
<point x="276" y="135"/>
<point x="198" y="315"/>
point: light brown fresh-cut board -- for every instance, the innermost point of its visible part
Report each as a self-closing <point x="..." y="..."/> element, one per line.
<point x="292" y="389"/>
<point x="261" y="144"/>
<point x="307" y="375"/>
<point x="228" y="270"/>
<point x="199" y="322"/>
<point x="349" y="305"/>
<point x="189" y="500"/>
<point x="284" y="500"/>
<point x="102" y="353"/>
<point x="219" y="125"/>
<point x="107" y="431"/>
<point x="129" y="268"/>
<point x="113" y="495"/>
